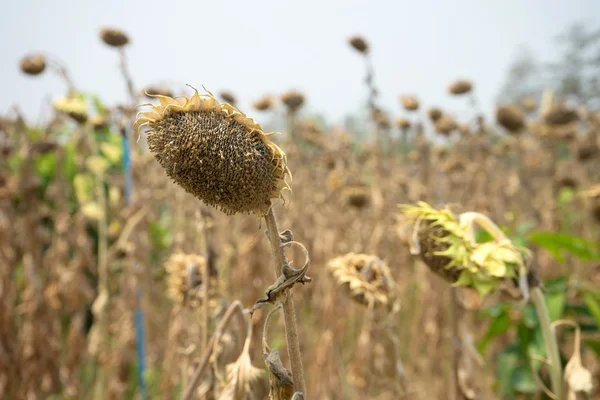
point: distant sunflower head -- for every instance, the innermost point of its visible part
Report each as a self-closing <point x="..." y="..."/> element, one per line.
<point x="434" y="114"/>
<point x="460" y="86"/>
<point x="264" y="103"/>
<point x="186" y="280"/>
<point x="114" y="37"/>
<point x="511" y="118"/>
<point x="446" y="244"/>
<point x="357" y="196"/>
<point x="33" y="65"/>
<point x="228" y="97"/>
<point x="216" y="153"/>
<point x="366" y="279"/>
<point x="560" y="115"/>
<point x="410" y="103"/>
<point x="359" y="44"/>
<point x="293" y="100"/>
<point x="445" y="125"/>
<point x="403" y="123"/>
<point x="74" y="106"/>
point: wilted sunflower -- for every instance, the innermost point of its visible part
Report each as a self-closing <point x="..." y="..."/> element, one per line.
<point x="366" y="278"/>
<point x="434" y="114"/>
<point x="185" y="278"/>
<point x="559" y="115"/>
<point x="293" y="100"/>
<point x="33" y="65"/>
<point x="74" y="106"/>
<point x="113" y="37"/>
<point x="403" y="123"/>
<point x="264" y="103"/>
<point x="460" y="86"/>
<point x="510" y="118"/>
<point x="216" y="153"/>
<point x="445" y="125"/>
<point x="359" y="44"/>
<point x="228" y="97"/>
<point x="410" y="103"/>
<point x="357" y="196"/>
<point x="447" y="245"/>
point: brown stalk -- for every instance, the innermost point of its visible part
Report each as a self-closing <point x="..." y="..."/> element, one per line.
<point x="289" y="312"/>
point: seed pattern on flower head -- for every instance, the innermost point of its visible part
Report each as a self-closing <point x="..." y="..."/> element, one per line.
<point x="216" y="153"/>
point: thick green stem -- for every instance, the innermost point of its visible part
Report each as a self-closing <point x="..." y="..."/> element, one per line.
<point x="549" y="341"/>
<point x="289" y="312"/>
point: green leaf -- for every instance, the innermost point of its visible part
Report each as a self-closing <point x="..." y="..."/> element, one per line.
<point x="45" y="165"/>
<point x="507" y="363"/>
<point x="556" y="305"/>
<point x="559" y="243"/>
<point x="593" y="304"/>
<point x="529" y="315"/>
<point x="523" y="380"/>
<point x="498" y="326"/>
<point x="556" y="285"/>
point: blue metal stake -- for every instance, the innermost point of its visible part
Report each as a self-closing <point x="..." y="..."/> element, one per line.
<point x="139" y="313"/>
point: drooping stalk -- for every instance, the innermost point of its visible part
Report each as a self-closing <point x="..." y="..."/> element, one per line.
<point x="289" y="311"/>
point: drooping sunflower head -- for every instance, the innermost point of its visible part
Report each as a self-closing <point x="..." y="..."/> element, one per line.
<point x="186" y="280"/>
<point x="447" y="246"/>
<point x="410" y="103"/>
<point x="511" y="118"/>
<point x="33" y="64"/>
<point x="74" y="106"/>
<point x="366" y="279"/>
<point x="460" y="86"/>
<point x="216" y="153"/>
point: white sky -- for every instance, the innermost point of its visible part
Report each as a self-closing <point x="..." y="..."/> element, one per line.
<point x="253" y="47"/>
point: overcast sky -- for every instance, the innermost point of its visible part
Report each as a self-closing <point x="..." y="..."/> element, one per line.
<point x="254" y="47"/>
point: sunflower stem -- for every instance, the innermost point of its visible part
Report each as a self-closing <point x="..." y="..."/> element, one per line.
<point x="550" y="343"/>
<point x="289" y="311"/>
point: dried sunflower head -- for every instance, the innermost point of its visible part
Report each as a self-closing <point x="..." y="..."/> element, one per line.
<point x="367" y="280"/>
<point x="445" y="125"/>
<point x="559" y="115"/>
<point x="293" y="100"/>
<point x="403" y="123"/>
<point x="434" y="114"/>
<point x="264" y="103"/>
<point x="113" y="37"/>
<point x="216" y="153"/>
<point x="359" y="44"/>
<point x="410" y="103"/>
<point x="33" y="65"/>
<point x="228" y="97"/>
<point x="98" y="122"/>
<point x="447" y="245"/>
<point x="511" y="118"/>
<point x="74" y="106"/>
<point x="185" y="279"/>
<point x="460" y="86"/>
<point x="357" y="196"/>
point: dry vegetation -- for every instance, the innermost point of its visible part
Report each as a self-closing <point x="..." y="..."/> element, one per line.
<point x="108" y="268"/>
